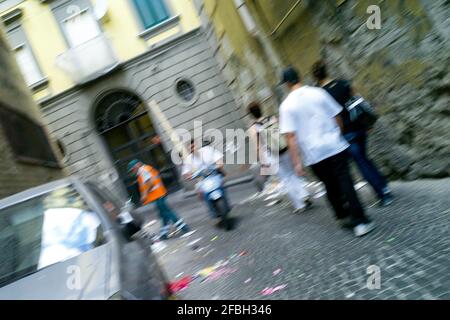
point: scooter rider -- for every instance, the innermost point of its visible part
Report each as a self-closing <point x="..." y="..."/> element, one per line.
<point x="198" y="159"/>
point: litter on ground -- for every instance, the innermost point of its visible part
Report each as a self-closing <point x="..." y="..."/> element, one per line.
<point x="276" y="272"/>
<point x="269" y="291"/>
<point x="188" y="234"/>
<point x="180" y="285"/>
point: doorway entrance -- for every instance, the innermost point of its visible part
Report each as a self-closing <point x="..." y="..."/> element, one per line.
<point x="124" y="123"/>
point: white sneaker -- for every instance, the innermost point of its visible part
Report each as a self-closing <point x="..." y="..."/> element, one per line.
<point x="363" y="229"/>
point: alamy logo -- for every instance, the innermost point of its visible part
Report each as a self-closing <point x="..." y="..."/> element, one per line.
<point x="374" y="21"/>
<point x="237" y="142"/>
<point x="374" y="280"/>
<point x="74" y="279"/>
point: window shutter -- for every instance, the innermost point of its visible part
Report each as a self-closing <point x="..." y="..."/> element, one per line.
<point x="151" y="12"/>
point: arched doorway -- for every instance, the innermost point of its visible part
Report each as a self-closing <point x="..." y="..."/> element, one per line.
<point x="123" y="121"/>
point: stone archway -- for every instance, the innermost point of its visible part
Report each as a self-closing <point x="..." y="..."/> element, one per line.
<point x="127" y="129"/>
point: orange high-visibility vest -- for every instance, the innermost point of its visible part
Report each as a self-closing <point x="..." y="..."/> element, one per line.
<point x="154" y="185"/>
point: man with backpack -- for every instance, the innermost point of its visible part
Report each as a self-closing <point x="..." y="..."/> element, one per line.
<point x="357" y="120"/>
<point x="265" y="133"/>
<point x="309" y="117"/>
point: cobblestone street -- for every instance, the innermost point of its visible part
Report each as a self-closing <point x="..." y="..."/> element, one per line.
<point x="310" y="257"/>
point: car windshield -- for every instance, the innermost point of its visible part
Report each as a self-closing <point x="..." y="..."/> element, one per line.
<point x="44" y="230"/>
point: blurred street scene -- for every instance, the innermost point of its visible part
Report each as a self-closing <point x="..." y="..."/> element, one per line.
<point x="224" y="149"/>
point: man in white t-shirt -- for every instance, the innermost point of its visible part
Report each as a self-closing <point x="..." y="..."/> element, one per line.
<point x="198" y="158"/>
<point x="309" y="117"/>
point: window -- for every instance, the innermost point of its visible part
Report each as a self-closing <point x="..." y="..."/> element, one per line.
<point x="27" y="139"/>
<point x="185" y="90"/>
<point x="28" y="65"/>
<point x="45" y="230"/>
<point x="24" y="56"/>
<point x="81" y="27"/>
<point x="151" y="12"/>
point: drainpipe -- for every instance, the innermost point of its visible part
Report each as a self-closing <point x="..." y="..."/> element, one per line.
<point x="253" y="28"/>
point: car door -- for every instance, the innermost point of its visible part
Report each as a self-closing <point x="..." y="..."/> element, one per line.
<point x="59" y="249"/>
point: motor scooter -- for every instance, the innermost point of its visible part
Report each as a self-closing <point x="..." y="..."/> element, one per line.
<point x="211" y="185"/>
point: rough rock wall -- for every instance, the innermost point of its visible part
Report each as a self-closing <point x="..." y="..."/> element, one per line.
<point x="403" y="68"/>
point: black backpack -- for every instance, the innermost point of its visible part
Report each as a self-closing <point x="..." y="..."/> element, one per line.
<point x="361" y="113"/>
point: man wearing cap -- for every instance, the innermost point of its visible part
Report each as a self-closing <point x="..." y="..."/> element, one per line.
<point x="309" y="117"/>
<point x="152" y="190"/>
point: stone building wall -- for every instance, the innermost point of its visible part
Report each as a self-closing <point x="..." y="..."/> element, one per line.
<point x="16" y="176"/>
<point x="152" y="77"/>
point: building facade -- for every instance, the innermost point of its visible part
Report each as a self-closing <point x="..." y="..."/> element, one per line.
<point x="115" y="78"/>
<point x="400" y="65"/>
<point x="27" y="156"/>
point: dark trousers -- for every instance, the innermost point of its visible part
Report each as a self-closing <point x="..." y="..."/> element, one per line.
<point x="166" y="214"/>
<point x="358" y="150"/>
<point x="334" y="172"/>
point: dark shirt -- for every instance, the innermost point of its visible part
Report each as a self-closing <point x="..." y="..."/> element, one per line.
<point x="341" y="91"/>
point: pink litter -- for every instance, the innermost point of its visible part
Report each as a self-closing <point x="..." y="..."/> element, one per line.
<point x="269" y="291"/>
<point x="219" y="273"/>
<point x="182" y="284"/>
<point x="276" y="272"/>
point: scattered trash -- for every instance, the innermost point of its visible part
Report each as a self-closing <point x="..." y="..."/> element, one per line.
<point x="179" y="275"/>
<point x="276" y="272"/>
<point x="180" y="285"/>
<point x="219" y="273"/>
<point x="158" y="247"/>
<point x="207" y="253"/>
<point x="218" y="263"/>
<point x="243" y="253"/>
<point x="194" y="242"/>
<point x="248" y="280"/>
<point x="188" y="234"/>
<point x="269" y="291"/>
<point x="360" y="185"/>
<point x="350" y="295"/>
<point x="232" y="257"/>
<point x="271" y="203"/>
<point x="215" y="238"/>
<point x="206" y="272"/>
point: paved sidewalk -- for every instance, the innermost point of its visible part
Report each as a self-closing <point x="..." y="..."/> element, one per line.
<point x="314" y="258"/>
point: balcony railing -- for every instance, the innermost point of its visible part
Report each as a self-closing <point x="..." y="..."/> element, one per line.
<point x="89" y="60"/>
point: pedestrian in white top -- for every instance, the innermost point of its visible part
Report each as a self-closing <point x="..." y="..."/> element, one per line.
<point x="309" y="117"/>
<point x="294" y="185"/>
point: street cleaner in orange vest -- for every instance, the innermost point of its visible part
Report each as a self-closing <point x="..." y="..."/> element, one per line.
<point x="152" y="190"/>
